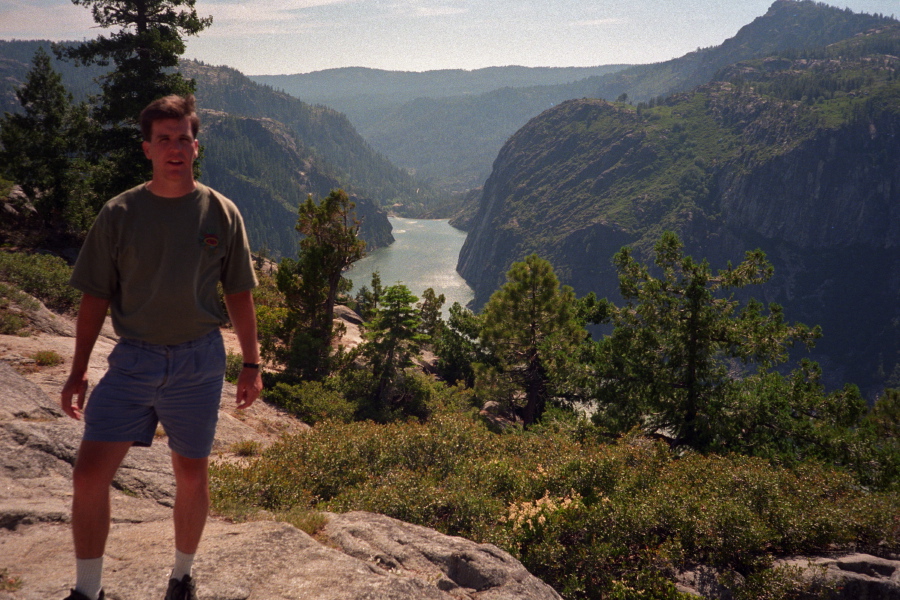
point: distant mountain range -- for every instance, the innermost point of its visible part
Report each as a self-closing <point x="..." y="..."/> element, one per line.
<point x="447" y="127"/>
<point x="795" y="152"/>
<point x="444" y="126"/>
<point x="353" y="90"/>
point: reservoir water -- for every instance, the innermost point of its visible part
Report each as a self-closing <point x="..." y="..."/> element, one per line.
<point x="423" y="255"/>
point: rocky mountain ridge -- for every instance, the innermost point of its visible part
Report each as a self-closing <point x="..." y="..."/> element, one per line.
<point x="751" y="160"/>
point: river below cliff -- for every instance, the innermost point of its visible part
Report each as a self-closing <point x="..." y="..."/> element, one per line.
<point x="423" y="256"/>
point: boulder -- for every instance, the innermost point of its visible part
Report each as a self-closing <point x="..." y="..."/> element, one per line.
<point x="858" y="576"/>
<point x="849" y="576"/>
<point x="454" y="565"/>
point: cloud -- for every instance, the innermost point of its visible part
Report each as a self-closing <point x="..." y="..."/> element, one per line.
<point x="430" y="8"/>
<point x="274" y="17"/>
<point x="262" y="17"/>
<point x="44" y="19"/>
<point x="599" y="22"/>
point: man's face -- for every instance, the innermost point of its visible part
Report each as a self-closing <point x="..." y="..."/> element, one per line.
<point x="172" y="149"/>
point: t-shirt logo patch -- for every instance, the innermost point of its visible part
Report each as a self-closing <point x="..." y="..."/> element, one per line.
<point x="209" y="240"/>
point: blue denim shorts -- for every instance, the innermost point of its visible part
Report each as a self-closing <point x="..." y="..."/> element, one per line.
<point x="179" y="386"/>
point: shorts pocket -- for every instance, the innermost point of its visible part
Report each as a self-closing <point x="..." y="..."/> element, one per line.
<point x="209" y="361"/>
<point x="124" y="358"/>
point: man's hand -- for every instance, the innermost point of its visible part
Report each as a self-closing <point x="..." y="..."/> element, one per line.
<point x="75" y="387"/>
<point x="249" y="386"/>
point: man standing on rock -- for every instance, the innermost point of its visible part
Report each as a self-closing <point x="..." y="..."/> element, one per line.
<point x="154" y="257"/>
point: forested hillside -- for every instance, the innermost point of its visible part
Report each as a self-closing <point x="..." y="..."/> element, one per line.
<point x="451" y="142"/>
<point x="264" y="149"/>
<point x="15" y="60"/>
<point x="794" y="153"/>
<point x="787" y="24"/>
<point x="267" y="175"/>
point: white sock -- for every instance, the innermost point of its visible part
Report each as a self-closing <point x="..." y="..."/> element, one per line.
<point x="183" y="564"/>
<point x="88" y="576"/>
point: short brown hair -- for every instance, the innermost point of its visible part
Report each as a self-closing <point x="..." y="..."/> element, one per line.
<point x="169" y="107"/>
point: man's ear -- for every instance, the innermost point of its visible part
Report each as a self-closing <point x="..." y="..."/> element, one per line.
<point x="146" y="147"/>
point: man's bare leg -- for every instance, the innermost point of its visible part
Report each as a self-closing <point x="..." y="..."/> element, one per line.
<point x="191" y="508"/>
<point x="95" y="468"/>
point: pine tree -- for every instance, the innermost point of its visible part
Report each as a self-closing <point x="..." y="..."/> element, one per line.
<point x="43" y="149"/>
<point x="144" y="48"/>
<point x="679" y="338"/>
<point x="312" y="282"/>
<point x="394" y="339"/>
<point x="367" y="299"/>
<point x="458" y="348"/>
<point x="430" y="309"/>
<point x="530" y="326"/>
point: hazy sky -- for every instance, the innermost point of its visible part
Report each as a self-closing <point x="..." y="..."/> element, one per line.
<point x="297" y="36"/>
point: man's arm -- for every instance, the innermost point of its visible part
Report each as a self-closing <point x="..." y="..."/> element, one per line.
<point x="91" y="314"/>
<point x="243" y="317"/>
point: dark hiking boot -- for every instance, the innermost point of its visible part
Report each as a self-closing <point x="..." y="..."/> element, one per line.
<point x="76" y="595"/>
<point x="185" y="589"/>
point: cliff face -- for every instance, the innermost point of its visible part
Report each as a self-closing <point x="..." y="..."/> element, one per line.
<point x="827" y="215"/>
<point x="792" y="155"/>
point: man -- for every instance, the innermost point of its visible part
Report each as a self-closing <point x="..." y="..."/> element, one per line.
<point x="154" y="257"/>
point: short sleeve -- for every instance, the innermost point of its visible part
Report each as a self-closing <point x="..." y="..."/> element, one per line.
<point x="95" y="271"/>
<point x="237" y="271"/>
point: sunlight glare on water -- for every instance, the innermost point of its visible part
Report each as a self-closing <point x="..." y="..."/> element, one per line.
<point x="423" y="256"/>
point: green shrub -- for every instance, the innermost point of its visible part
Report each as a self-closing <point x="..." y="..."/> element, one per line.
<point x="309" y="521"/>
<point x="9" y="582"/>
<point x="234" y="364"/>
<point x="593" y="520"/>
<point x="43" y="276"/>
<point x="48" y="358"/>
<point x="12" y="323"/>
<point x="246" y="448"/>
<point x="311" y="402"/>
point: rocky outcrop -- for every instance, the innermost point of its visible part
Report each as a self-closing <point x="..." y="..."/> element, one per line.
<point x="455" y="566"/>
<point x="856" y="576"/>
<point x="841" y="577"/>
<point x="374" y="227"/>
<point x="359" y="556"/>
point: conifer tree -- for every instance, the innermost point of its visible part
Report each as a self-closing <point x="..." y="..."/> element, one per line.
<point x="43" y="149"/>
<point x="680" y="339"/>
<point x="367" y="299"/>
<point x="458" y="348"/>
<point x="530" y="326"/>
<point x="144" y="48"/>
<point x="394" y="339"/>
<point x="430" y="310"/>
<point x="312" y="282"/>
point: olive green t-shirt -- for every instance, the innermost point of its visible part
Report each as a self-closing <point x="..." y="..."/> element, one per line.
<point x="158" y="260"/>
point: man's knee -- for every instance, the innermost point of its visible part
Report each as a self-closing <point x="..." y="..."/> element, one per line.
<point x="190" y="473"/>
<point x="96" y="465"/>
